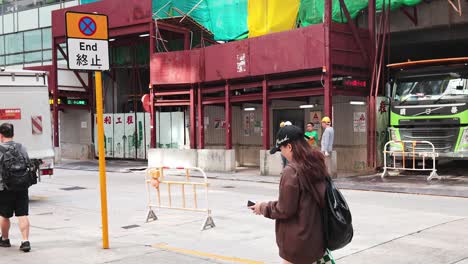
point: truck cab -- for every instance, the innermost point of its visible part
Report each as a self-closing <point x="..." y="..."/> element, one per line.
<point x="429" y="102"/>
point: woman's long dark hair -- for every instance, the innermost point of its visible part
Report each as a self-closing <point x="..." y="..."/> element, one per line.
<point x="310" y="163"/>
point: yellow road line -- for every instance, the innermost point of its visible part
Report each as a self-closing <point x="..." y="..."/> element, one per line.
<point x="38" y="197"/>
<point x="206" y="255"/>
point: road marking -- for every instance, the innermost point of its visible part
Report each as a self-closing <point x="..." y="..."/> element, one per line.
<point x="38" y="197"/>
<point x="206" y="255"/>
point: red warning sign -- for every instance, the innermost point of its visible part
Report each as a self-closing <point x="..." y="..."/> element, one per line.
<point x="10" y="114"/>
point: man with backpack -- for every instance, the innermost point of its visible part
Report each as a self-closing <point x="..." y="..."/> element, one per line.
<point x="14" y="183"/>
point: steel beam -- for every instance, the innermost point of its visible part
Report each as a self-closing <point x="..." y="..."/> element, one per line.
<point x="152" y="118"/>
<point x="172" y="103"/>
<point x="171" y="93"/>
<point x="76" y="107"/>
<point x="151" y="90"/>
<point x="212" y="101"/>
<point x="296" y="93"/>
<point x="201" y="119"/>
<point x="240" y="86"/>
<point x="413" y="17"/>
<point x="265" y="116"/>
<point x="328" y="71"/>
<point x="246" y="98"/>
<point x="363" y="93"/>
<point x="192" y="118"/>
<point x="65" y="56"/>
<point x="291" y="80"/>
<point x="216" y="89"/>
<point x="228" y="115"/>
<point x="354" y="30"/>
<point x="74" y="94"/>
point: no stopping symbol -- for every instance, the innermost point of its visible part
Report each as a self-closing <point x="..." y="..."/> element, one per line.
<point x="87" y="26"/>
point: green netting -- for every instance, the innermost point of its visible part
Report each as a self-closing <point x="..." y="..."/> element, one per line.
<point x="226" y="19"/>
<point x="311" y="11"/>
<point x="87" y="1"/>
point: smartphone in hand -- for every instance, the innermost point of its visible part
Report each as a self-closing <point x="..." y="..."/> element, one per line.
<point x="250" y="203"/>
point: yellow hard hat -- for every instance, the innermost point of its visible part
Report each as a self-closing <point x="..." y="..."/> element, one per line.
<point x="282" y="124"/>
<point x="326" y="119"/>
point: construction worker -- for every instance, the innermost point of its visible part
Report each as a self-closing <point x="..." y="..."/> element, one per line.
<point x="311" y="135"/>
<point x="327" y="136"/>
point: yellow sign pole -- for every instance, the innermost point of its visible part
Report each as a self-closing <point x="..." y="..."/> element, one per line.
<point x="102" y="160"/>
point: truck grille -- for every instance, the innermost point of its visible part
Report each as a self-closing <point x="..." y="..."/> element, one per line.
<point x="444" y="139"/>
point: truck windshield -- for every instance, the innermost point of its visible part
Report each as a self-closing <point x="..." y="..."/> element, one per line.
<point x="430" y="87"/>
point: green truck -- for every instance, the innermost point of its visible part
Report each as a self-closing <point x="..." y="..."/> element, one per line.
<point x="429" y="102"/>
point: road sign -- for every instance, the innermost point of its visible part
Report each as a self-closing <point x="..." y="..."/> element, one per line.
<point x="88" y="26"/>
<point x="88" y="49"/>
<point x="88" y="54"/>
<point x="87" y="41"/>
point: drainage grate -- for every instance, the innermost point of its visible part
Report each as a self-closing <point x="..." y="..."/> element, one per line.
<point x="74" y="188"/>
<point x="130" y="226"/>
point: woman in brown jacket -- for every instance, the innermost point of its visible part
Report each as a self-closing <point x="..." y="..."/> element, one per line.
<point x="299" y="232"/>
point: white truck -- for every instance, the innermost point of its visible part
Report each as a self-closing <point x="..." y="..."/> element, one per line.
<point x="24" y="102"/>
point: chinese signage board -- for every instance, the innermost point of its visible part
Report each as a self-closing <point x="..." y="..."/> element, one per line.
<point x="360" y="122"/>
<point x="126" y="135"/>
<point x="10" y="114"/>
<point x="87" y="41"/>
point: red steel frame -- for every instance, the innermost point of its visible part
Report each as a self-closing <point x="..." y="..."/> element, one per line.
<point x="326" y="74"/>
<point x="195" y="92"/>
<point x="137" y="19"/>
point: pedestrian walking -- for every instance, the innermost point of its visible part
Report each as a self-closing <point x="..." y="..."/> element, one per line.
<point x="311" y="134"/>
<point x="299" y="229"/>
<point x="14" y="184"/>
<point x="283" y="159"/>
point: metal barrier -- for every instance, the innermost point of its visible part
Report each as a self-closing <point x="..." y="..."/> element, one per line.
<point x="156" y="176"/>
<point x="412" y="155"/>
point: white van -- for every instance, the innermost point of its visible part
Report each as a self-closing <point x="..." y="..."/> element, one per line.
<point x="24" y="102"/>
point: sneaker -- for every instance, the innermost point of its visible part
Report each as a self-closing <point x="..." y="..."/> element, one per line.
<point x="25" y="246"/>
<point x="4" y="242"/>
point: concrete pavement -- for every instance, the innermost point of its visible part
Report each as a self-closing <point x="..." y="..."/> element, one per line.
<point x="389" y="227"/>
<point x="454" y="182"/>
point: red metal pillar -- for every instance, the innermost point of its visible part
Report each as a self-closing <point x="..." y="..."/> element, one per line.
<point x="55" y="93"/>
<point x="186" y="41"/>
<point x="151" y="90"/>
<point x="192" y="118"/>
<point x="201" y="121"/>
<point x="152" y="118"/>
<point x="328" y="101"/>
<point x="228" y="115"/>
<point x="371" y="21"/>
<point x="372" y="65"/>
<point x="266" y="116"/>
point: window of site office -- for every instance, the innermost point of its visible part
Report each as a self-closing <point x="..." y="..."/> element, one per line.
<point x="10" y="6"/>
